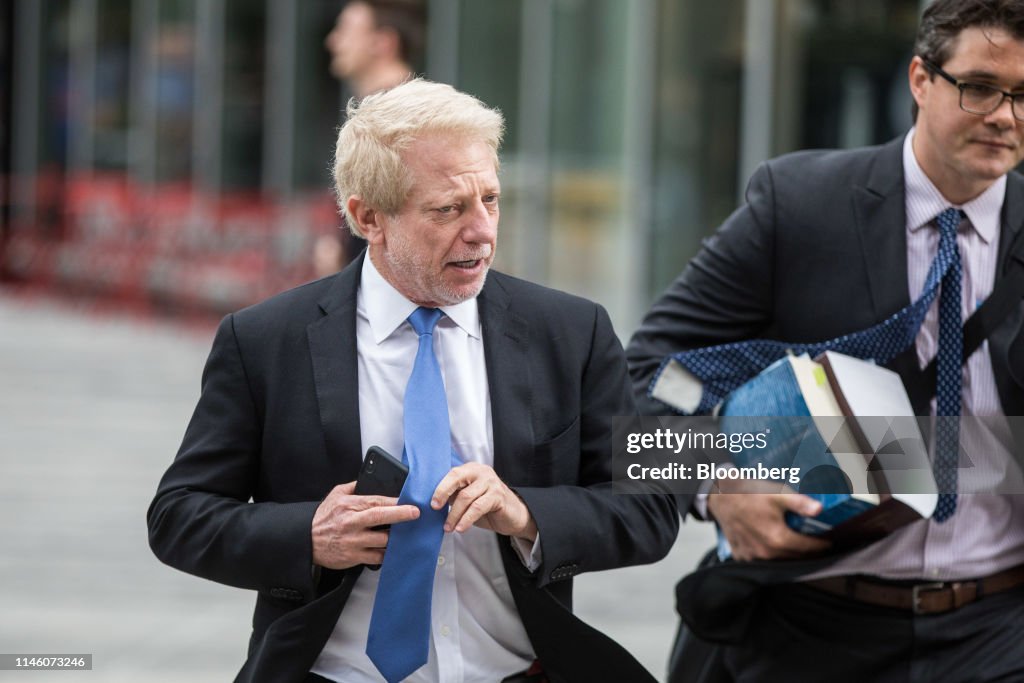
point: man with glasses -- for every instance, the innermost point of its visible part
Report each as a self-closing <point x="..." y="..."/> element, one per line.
<point x="832" y="243"/>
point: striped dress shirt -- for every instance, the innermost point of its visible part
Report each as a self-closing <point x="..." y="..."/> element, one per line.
<point x="986" y="534"/>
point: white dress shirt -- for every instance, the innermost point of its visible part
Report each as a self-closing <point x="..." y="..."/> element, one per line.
<point x="986" y="533"/>
<point x="476" y="633"/>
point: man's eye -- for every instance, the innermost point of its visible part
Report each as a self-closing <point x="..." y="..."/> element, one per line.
<point x="446" y="209"/>
<point x="978" y="89"/>
<point x="491" y="198"/>
<point x="980" y="94"/>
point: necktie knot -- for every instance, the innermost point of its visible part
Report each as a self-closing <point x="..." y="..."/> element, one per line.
<point x="949" y="221"/>
<point x="423" y="320"/>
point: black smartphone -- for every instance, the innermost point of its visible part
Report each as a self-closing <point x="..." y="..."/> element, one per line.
<point x="382" y="474"/>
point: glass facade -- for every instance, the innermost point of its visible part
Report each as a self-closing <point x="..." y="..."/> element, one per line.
<point x="240" y="122"/>
<point x="109" y="121"/>
<point x="318" y="99"/>
<point x="205" y="128"/>
<point x="697" y="130"/>
<point x="851" y="70"/>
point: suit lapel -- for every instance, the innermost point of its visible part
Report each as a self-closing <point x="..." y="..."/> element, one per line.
<point x="506" y="341"/>
<point x="880" y="218"/>
<point x="879" y="207"/>
<point x="332" y="348"/>
<point x="1013" y="220"/>
<point x="1008" y="335"/>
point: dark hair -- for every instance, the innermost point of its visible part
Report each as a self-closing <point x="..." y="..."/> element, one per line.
<point x="408" y="19"/>
<point x="943" y="21"/>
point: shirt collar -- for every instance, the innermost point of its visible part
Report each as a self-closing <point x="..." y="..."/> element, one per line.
<point x="386" y="309"/>
<point x="924" y="201"/>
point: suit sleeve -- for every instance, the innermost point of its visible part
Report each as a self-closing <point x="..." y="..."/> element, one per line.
<point x="724" y="294"/>
<point x="201" y="520"/>
<point x="587" y="527"/>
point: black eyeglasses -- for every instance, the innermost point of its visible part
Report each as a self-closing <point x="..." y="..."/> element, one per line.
<point x="980" y="99"/>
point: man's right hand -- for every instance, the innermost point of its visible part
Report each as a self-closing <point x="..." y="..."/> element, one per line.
<point x="342" y="527"/>
<point x="752" y="517"/>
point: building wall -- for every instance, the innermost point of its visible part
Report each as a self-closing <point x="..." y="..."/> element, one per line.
<point x="173" y="154"/>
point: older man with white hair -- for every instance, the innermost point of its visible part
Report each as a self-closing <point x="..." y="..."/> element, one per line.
<point x="499" y="395"/>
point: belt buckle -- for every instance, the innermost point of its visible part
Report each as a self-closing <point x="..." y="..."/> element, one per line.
<point x="923" y="588"/>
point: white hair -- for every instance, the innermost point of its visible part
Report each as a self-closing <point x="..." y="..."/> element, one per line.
<point x="368" y="156"/>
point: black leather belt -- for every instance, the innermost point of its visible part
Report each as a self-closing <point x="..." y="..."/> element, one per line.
<point x="919" y="598"/>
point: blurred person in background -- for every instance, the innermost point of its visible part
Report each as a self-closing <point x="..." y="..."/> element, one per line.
<point x="374" y="46"/>
<point x="831" y="243"/>
<point x="376" y="43"/>
<point x="498" y="393"/>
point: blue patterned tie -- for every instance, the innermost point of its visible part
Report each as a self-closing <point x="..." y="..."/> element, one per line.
<point x="948" y="367"/>
<point x="399" y="639"/>
<point x="724" y="368"/>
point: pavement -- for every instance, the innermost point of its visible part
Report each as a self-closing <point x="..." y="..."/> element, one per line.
<point x="92" y="409"/>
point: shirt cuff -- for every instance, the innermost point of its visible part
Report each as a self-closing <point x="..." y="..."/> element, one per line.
<point x="699" y="506"/>
<point x="529" y="553"/>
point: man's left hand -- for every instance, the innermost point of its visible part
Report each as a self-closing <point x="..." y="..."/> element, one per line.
<point x="479" y="497"/>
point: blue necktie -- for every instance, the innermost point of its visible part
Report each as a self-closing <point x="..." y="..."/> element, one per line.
<point x="948" y="367"/>
<point x="724" y="368"/>
<point x="399" y="638"/>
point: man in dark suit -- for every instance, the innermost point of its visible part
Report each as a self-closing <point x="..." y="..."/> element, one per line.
<point x="261" y="493"/>
<point x="834" y="242"/>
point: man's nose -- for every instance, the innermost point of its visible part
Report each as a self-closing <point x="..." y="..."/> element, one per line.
<point x="481" y="223"/>
<point x="331" y="38"/>
<point x="1002" y="116"/>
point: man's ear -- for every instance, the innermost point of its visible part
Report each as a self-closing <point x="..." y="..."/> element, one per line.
<point x="387" y="43"/>
<point x="367" y="219"/>
<point x="920" y="79"/>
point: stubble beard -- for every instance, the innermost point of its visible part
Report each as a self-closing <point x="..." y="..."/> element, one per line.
<point x="424" y="283"/>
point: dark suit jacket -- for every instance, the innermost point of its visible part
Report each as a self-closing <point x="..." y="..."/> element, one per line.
<point x="819" y="250"/>
<point x="278" y="422"/>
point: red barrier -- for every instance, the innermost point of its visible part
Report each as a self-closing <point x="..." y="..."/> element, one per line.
<point x="164" y="248"/>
